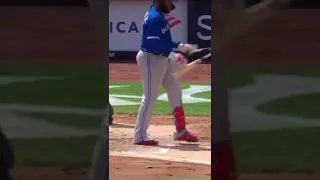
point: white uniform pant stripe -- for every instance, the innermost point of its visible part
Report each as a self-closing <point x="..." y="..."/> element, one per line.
<point x="147" y="99"/>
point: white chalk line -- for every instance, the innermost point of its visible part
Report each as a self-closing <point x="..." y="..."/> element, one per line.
<point x="161" y="150"/>
<point x="158" y="157"/>
<point x="165" y="150"/>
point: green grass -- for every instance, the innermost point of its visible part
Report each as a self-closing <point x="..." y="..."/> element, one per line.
<point x="203" y="95"/>
<point x="82" y="86"/>
<point x="295" y="150"/>
<point x="85" y="93"/>
<point x="85" y="87"/>
<point x="304" y="106"/>
<point x="237" y="77"/>
<point x="136" y="88"/>
<point x="278" y="150"/>
<point x="89" y="92"/>
<point x="57" y="151"/>
<point x="80" y="121"/>
<point x="283" y="150"/>
<point x="161" y="107"/>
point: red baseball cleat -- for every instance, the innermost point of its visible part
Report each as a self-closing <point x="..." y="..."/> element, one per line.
<point x="185" y="136"/>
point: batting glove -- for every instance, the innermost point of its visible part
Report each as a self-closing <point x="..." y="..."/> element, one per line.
<point x="177" y="58"/>
<point x="187" y="48"/>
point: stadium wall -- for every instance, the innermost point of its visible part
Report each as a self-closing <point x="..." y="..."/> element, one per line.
<point x="192" y="25"/>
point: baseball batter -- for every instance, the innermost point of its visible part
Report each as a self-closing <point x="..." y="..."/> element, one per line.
<point x="157" y="63"/>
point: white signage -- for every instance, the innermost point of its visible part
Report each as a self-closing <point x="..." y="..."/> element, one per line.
<point x="204" y="26"/>
<point x="126" y="19"/>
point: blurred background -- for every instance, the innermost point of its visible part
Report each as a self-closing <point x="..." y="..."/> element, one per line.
<point x="53" y="94"/>
<point x="270" y="50"/>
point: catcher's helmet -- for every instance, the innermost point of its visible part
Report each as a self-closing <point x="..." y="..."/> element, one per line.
<point x="162" y="5"/>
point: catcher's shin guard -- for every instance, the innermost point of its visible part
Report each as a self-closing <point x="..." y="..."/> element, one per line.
<point x="223" y="162"/>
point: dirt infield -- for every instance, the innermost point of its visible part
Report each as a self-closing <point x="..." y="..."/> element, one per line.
<point x="118" y="72"/>
<point x="137" y="168"/>
<point x="161" y="128"/>
<point x="64" y="36"/>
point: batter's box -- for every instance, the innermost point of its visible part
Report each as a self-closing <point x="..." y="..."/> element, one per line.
<point x="120" y="144"/>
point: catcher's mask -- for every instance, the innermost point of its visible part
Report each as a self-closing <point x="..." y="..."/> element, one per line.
<point x="165" y="6"/>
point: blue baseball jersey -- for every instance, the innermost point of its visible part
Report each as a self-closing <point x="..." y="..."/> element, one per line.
<point x="156" y="36"/>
